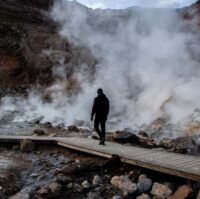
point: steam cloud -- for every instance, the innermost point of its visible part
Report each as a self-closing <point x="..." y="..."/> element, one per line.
<point x="147" y="65"/>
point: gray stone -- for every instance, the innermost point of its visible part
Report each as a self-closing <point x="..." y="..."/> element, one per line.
<point x="142" y="177"/>
<point x="16" y="147"/>
<point x="70" y="186"/>
<point x="93" y="135"/>
<point x="97" y="180"/>
<point x="34" y="175"/>
<point x="55" y="188"/>
<point x="117" y="197"/>
<point x="125" y="137"/>
<point x="73" y="128"/>
<point x="85" y="184"/>
<point x="124" y="183"/>
<point x="38" y="132"/>
<point x="198" y="196"/>
<point x="143" y="196"/>
<point x="161" y="190"/>
<point x="94" y="195"/>
<point x="42" y="191"/>
<point x="144" y="184"/>
<point x="143" y="134"/>
<point x="20" y="195"/>
<point x="63" y="179"/>
<point x="78" y="187"/>
<point x="27" y="145"/>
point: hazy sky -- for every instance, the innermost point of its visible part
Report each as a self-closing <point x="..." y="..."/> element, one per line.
<point x="117" y="4"/>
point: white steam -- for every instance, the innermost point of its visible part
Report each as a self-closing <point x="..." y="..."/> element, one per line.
<point x="147" y="67"/>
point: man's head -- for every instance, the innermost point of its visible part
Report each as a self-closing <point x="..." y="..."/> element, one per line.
<point x="100" y="91"/>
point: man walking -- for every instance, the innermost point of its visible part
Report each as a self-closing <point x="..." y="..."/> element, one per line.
<point x="100" y="109"/>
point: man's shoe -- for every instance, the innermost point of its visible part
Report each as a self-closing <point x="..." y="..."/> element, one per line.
<point x="102" y="141"/>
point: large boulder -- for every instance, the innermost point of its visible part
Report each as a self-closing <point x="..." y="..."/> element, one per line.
<point x="181" y="193"/>
<point x="125" y="137"/>
<point x="181" y="144"/>
<point x="27" y="145"/>
<point x="147" y="142"/>
<point x="161" y="190"/>
<point x="124" y="183"/>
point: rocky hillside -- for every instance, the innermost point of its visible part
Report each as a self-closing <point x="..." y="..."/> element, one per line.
<point x="30" y="46"/>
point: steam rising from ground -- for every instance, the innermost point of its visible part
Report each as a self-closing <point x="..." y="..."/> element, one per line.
<point x="147" y="65"/>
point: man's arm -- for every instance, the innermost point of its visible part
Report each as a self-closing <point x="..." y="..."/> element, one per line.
<point x="93" y="109"/>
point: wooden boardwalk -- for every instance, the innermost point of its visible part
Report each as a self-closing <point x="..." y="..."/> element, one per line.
<point x="185" y="166"/>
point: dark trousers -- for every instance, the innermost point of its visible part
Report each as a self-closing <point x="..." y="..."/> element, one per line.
<point x="102" y="122"/>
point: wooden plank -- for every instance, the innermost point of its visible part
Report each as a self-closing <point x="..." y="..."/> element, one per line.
<point x="162" y="169"/>
<point x="97" y="153"/>
<point x="167" y="162"/>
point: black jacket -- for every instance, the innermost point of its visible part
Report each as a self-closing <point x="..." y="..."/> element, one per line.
<point x="101" y="106"/>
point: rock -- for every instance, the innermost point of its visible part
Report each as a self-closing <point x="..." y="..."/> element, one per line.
<point x="63" y="179"/>
<point x="143" y="134"/>
<point x="97" y="180"/>
<point x="55" y="188"/>
<point x="40" y="177"/>
<point x="113" y="161"/>
<point x="181" y="193"/>
<point x="94" y="195"/>
<point x="42" y="191"/>
<point x="85" y="130"/>
<point x="144" y="184"/>
<point x="93" y="135"/>
<point x="142" y="177"/>
<point x="165" y="142"/>
<point x="52" y="135"/>
<point x="77" y="161"/>
<point x="117" y="197"/>
<point x="125" y="137"/>
<point x="34" y="175"/>
<point x="73" y="128"/>
<point x="26" y="145"/>
<point x="180" y="144"/>
<point x="147" y="142"/>
<point x="20" y="195"/>
<point x="124" y="183"/>
<point x="143" y="196"/>
<point x="85" y="184"/>
<point x="161" y="190"/>
<point x="16" y="147"/>
<point x="38" y="132"/>
<point x="70" y="186"/>
<point x="48" y="125"/>
<point x="198" y="196"/>
<point x="78" y="188"/>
